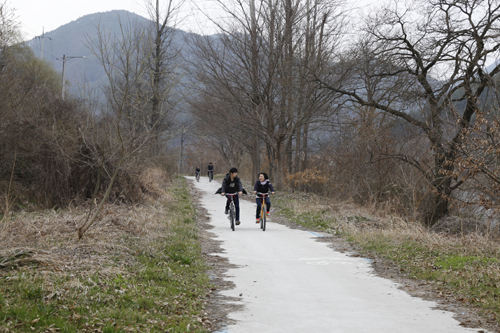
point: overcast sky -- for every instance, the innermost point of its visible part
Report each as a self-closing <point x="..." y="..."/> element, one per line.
<point x="35" y="15"/>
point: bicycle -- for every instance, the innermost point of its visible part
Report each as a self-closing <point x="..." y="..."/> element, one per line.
<point x="263" y="210"/>
<point x="198" y="176"/>
<point x="210" y="175"/>
<point x="232" y="209"/>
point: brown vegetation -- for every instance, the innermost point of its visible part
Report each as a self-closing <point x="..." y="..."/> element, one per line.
<point x="49" y="238"/>
<point x="55" y="152"/>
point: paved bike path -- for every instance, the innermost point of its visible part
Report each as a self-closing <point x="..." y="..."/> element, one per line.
<point x="289" y="282"/>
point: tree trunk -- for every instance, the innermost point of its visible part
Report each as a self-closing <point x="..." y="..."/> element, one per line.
<point x="156" y="71"/>
<point x="304" y="147"/>
<point x="280" y="158"/>
<point x="439" y="209"/>
<point x="255" y="159"/>
<point x="272" y="166"/>
<point x="298" y="150"/>
<point x="289" y="155"/>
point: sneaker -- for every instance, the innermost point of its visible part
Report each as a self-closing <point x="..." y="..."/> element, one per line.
<point x="226" y="211"/>
<point x="238" y="222"/>
<point x="268" y="214"/>
<point x="258" y="221"/>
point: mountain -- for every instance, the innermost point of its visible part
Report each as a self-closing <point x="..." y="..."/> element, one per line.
<point x="72" y="38"/>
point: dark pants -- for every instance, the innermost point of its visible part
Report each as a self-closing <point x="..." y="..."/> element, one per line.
<point x="259" y="206"/>
<point x="236" y="205"/>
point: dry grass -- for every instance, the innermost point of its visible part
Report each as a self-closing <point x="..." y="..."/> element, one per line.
<point x="137" y="269"/>
<point x="50" y="238"/>
<point x="353" y="219"/>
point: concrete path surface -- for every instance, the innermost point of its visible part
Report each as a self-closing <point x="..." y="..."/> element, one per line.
<point x="289" y="282"/>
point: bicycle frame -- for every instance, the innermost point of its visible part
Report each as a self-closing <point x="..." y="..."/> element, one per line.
<point x="263" y="196"/>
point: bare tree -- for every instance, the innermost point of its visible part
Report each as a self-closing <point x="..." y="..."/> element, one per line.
<point x="130" y="124"/>
<point x="418" y="61"/>
<point x="479" y="158"/>
<point x="9" y="32"/>
<point x="258" y="67"/>
<point x="37" y="129"/>
<point x="164" y="61"/>
<point x="10" y="54"/>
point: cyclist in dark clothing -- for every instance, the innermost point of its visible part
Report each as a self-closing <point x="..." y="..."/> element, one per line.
<point x="232" y="184"/>
<point x="197" y="172"/>
<point x="263" y="185"/>
<point x="210" y="170"/>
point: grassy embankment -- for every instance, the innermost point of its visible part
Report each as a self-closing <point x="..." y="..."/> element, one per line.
<point x="139" y="269"/>
<point x="465" y="267"/>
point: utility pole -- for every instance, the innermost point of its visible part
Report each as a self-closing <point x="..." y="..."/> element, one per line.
<point x="64" y="59"/>
<point x="42" y="37"/>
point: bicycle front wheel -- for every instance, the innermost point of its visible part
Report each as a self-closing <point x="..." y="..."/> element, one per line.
<point x="231" y="215"/>
<point x="264" y="218"/>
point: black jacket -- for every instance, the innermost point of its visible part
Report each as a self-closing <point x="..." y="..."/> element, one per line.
<point x="233" y="186"/>
<point x="263" y="188"/>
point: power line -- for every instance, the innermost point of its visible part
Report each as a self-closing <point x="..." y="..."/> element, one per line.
<point x="25" y="29"/>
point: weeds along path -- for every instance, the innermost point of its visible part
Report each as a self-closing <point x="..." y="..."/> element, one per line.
<point x="139" y="269"/>
<point x="286" y="281"/>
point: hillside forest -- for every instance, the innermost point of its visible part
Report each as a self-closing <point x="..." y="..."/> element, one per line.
<point x="397" y="109"/>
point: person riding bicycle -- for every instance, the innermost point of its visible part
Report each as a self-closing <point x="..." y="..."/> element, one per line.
<point x="232" y="184"/>
<point x="197" y="171"/>
<point x="210" y="170"/>
<point x="263" y="185"/>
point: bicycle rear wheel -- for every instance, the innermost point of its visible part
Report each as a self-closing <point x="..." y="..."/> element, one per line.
<point x="231" y="215"/>
<point x="263" y="218"/>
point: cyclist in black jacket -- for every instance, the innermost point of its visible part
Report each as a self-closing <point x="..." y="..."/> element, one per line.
<point x="263" y="185"/>
<point x="197" y="171"/>
<point x="232" y="184"/>
<point x="210" y="170"/>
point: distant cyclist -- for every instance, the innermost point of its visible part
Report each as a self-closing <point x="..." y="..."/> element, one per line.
<point x="263" y="185"/>
<point x="197" y="172"/>
<point x="210" y="170"/>
<point x="232" y="184"/>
